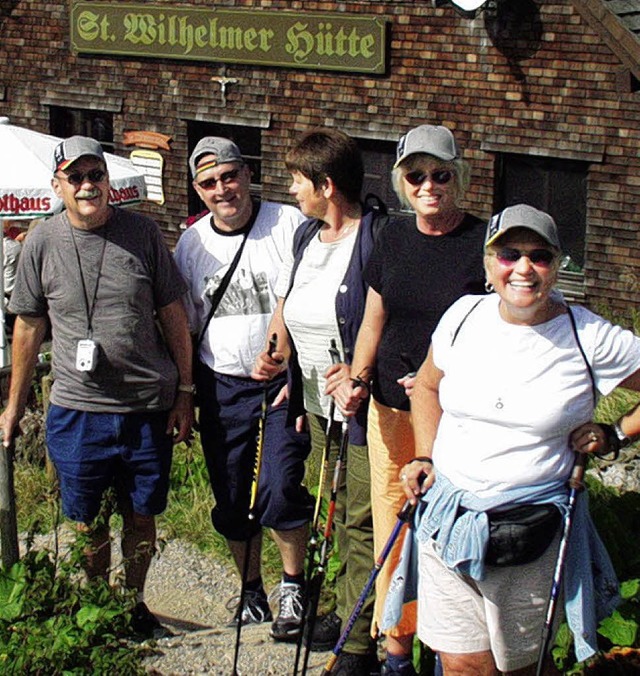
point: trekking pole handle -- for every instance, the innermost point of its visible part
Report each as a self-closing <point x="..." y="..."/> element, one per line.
<point x="408" y="362"/>
<point x="334" y="353"/>
<point x="406" y="512"/>
<point x="576" y="481"/>
<point x="273" y="342"/>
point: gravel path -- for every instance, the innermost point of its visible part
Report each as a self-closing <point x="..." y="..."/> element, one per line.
<point x="187" y="591"/>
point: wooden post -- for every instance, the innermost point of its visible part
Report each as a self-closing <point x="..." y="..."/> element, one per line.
<point x="8" y="521"/>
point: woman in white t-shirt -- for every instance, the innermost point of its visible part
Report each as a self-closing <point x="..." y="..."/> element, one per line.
<point x="504" y="398"/>
<point x="322" y="297"/>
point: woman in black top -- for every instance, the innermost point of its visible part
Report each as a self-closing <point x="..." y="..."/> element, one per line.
<point x="416" y="271"/>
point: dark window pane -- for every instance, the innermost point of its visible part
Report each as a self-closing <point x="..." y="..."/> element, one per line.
<point x="556" y="186"/>
<point x="378" y="158"/>
<point x="97" y="124"/>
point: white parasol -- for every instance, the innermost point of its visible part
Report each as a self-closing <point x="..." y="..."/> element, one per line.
<point x="25" y="175"/>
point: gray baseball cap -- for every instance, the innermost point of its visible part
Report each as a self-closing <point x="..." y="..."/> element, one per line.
<point x="73" y="148"/>
<point x="222" y="149"/>
<point x="428" y="139"/>
<point x="523" y="216"/>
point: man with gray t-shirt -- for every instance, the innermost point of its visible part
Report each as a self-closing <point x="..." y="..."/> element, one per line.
<point x="102" y="276"/>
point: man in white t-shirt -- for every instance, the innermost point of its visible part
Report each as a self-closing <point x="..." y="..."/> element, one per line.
<point x="230" y="401"/>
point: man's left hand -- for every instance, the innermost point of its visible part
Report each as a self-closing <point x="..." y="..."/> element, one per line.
<point x="181" y="417"/>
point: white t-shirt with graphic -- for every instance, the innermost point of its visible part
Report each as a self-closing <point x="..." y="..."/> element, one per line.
<point x="237" y="331"/>
<point x="512" y="394"/>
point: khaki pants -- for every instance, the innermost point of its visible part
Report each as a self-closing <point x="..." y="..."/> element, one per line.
<point x="353" y="532"/>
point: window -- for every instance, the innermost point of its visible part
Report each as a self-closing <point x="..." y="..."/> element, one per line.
<point x="556" y="186"/>
<point x="248" y="139"/>
<point x="378" y="158"/>
<point x="97" y="124"/>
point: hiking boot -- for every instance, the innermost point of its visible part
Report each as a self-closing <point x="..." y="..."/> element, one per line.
<point x="326" y="632"/>
<point x="406" y="669"/>
<point x="286" y="626"/>
<point x="349" y="664"/>
<point x="145" y="624"/>
<point x="255" y="608"/>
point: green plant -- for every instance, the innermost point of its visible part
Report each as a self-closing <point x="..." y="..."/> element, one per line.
<point x="620" y="629"/>
<point x="51" y="623"/>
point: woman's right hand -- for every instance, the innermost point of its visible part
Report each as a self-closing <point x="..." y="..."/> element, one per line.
<point x="417" y="477"/>
<point x="348" y="397"/>
<point x="268" y="366"/>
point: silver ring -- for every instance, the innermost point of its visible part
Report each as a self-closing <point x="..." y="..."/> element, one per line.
<point x="403" y="477"/>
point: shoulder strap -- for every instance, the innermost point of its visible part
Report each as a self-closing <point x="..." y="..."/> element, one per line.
<point x="464" y="319"/>
<point x="224" y="283"/>
<point x="380" y="213"/>
<point x="574" y="328"/>
<point x="380" y="220"/>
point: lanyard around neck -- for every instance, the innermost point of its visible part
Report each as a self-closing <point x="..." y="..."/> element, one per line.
<point x="89" y="306"/>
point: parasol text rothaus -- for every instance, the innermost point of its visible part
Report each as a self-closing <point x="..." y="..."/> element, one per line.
<point x="123" y="195"/>
<point x="19" y="206"/>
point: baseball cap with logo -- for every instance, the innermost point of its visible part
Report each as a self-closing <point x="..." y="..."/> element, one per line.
<point x="523" y="216"/>
<point x="72" y="149"/>
<point x="428" y="139"/>
<point x="222" y="149"/>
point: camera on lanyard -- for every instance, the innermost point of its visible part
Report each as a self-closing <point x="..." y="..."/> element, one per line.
<point x="86" y="355"/>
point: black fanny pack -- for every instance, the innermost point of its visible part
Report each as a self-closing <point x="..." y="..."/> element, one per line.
<point x="521" y="534"/>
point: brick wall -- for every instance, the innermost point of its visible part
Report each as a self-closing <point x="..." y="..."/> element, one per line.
<point x="554" y="91"/>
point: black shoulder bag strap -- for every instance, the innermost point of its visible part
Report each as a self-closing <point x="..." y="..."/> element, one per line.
<point x="219" y="292"/>
<point x="574" y="328"/>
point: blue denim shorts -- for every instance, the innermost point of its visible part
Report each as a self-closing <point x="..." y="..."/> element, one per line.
<point x="93" y="451"/>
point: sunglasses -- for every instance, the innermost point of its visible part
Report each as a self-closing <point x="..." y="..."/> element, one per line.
<point x="225" y="179"/>
<point x="439" y="176"/>
<point x="509" y="256"/>
<point x="93" y="176"/>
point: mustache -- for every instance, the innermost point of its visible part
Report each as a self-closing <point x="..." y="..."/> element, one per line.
<point x="87" y="194"/>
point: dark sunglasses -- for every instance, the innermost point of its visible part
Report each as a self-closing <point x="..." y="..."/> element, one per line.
<point x="509" y="256"/>
<point x="439" y="176"/>
<point x="77" y="178"/>
<point x="225" y="179"/>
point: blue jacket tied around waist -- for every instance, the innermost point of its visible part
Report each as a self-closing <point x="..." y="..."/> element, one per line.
<point x="589" y="581"/>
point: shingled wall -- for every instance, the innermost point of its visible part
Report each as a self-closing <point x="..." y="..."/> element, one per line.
<point x="559" y="92"/>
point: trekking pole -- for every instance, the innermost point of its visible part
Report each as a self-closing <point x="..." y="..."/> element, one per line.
<point x="404" y="516"/>
<point x="8" y="521"/>
<point x="318" y="578"/>
<point x="314" y="537"/>
<point x="252" y="504"/>
<point x="575" y="486"/>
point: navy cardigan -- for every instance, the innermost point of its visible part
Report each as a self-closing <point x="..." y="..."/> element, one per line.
<point x="350" y="302"/>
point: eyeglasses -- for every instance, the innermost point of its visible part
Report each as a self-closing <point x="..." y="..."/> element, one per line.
<point x="439" y="176"/>
<point x="77" y="178"/>
<point x="225" y="179"/>
<point x="509" y="256"/>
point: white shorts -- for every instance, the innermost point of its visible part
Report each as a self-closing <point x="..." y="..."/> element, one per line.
<point x="504" y="613"/>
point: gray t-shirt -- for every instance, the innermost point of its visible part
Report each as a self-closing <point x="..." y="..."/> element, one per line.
<point x="127" y="267"/>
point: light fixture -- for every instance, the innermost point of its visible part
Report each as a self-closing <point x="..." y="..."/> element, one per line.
<point x="468" y="7"/>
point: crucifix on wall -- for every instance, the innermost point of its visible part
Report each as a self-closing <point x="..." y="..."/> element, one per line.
<point x="224" y="82"/>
